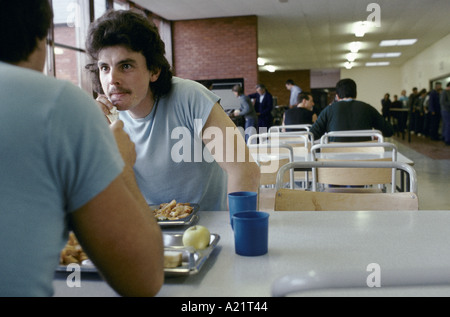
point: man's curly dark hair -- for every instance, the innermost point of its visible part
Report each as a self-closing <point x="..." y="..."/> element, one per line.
<point x="135" y="31"/>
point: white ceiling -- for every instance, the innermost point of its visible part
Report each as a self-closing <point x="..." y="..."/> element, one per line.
<point x="314" y="34"/>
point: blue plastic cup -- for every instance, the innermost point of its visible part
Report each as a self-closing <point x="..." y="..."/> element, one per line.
<point x="251" y="233"/>
<point x="241" y="201"/>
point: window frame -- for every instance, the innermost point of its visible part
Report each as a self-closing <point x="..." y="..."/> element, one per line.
<point x="87" y="17"/>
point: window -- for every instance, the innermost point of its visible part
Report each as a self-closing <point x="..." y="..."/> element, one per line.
<point x="66" y="54"/>
<point x="67" y="57"/>
<point x="121" y="5"/>
<point x="100" y="6"/>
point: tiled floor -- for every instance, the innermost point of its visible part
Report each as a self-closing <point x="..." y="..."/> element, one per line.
<point x="433" y="175"/>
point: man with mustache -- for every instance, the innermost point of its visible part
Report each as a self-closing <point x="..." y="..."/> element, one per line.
<point x="161" y="111"/>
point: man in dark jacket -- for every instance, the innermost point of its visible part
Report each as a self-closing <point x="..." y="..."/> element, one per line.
<point x="434" y="111"/>
<point x="349" y="114"/>
<point x="263" y="106"/>
<point x="303" y="113"/>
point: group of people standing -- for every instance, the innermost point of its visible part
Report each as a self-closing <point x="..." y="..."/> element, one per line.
<point x="257" y="108"/>
<point x="426" y="109"/>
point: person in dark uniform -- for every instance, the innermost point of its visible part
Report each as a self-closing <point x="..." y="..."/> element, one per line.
<point x="347" y="113"/>
<point x="303" y="113"/>
<point x="263" y="103"/>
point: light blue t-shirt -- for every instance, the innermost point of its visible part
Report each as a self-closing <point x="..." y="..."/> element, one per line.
<point x="172" y="162"/>
<point x="56" y="154"/>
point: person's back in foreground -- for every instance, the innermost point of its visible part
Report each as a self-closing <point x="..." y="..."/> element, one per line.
<point x="62" y="169"/>
<point x="349" y="114"/>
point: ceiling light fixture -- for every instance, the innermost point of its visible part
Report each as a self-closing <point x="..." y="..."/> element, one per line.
<point x="386" y="55"/>
<point x="348" y="65"/>
<point x="403" y="42"/>
<point x="370" y="64"/>
<point x="270" y="68"/>
<point x="261" y="61"/>
<point x="355" y="46"/>
<point x="360" y="28"/>
<point x="351" y="57"/>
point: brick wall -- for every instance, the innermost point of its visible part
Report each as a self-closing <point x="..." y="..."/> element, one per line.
<point x="219" y="48"/>
<point x="66" y="64"/>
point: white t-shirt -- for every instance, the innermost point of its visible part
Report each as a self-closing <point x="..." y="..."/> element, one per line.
<point x="172" y="161"/>
<point x="295" y="90"/>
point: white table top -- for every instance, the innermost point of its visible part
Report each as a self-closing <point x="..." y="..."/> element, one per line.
<point x="302" y="242"/>
<point x="302" y="157"/>
<point x="364" y="156"/>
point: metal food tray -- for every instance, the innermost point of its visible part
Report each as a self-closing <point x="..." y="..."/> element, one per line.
<point x="186" y="221"/>
<point x="86" y="267"/>
<point x="192" y="260"/>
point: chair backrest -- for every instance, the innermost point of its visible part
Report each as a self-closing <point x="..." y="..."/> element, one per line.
<point x="376" y="135"/>
<point x="289" y="127"/>
<point x="270" y="158"/>
<point x="301" y="141"/>
<point x="367" y="151"/>
<point x="290" y="199"/>
<point x="357" y="148"/>
<point x="303" y="200"/>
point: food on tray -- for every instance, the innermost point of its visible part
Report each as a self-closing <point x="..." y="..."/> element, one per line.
<point x="173" y="211"/>
<point x="113" y="114"/>
<point x="172" y="259"/>
<point x="72" y="252"/>
<point x="197" y="237"/>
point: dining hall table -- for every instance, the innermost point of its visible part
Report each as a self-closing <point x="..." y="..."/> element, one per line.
<point x="310" y="243"/>
<point x="403" y="185"/>
<point x="264" y="155"/>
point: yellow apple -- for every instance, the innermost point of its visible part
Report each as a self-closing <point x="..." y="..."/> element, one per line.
<point x="197" y="237"/>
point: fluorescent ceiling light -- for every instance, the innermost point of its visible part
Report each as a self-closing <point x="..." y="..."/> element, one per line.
<point x="406" y="42"/>
<point x="398" y="42"/>
<point x="261" y="61"/>
<point x="377" y="64"/>
<point x="348" y="65"/>
<point x="386" y="55"/>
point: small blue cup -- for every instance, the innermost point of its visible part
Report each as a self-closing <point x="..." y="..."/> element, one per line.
<point x="251" y="232"/>
<point x="241" y="201"/>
